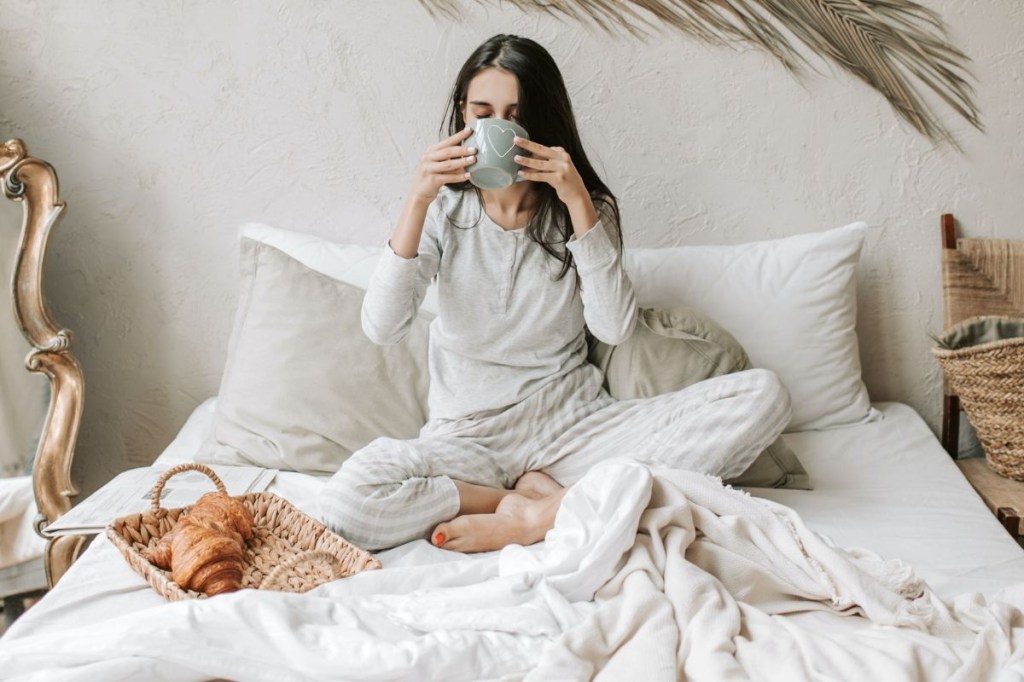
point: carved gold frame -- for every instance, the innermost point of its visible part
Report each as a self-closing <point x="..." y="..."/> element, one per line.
<point x="33" y="182"/>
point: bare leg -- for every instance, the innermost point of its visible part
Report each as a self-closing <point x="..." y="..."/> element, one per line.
<point x="479" y="499"/>
<point x="516" y="520"/>
<point x="536" y="484"/>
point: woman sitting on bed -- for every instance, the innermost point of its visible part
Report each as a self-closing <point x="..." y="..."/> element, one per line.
<point x="516" y="411"/>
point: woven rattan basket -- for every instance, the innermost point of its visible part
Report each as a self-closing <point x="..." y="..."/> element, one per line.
<point x="289" y="551"/>
<point x="985" y="367"/>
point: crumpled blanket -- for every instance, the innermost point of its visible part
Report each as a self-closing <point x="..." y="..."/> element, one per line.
<point x="646" y="575"/>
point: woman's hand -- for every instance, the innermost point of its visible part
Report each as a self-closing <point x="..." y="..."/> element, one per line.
<point x="443" y="163"/>
<point x="554" y="166"/>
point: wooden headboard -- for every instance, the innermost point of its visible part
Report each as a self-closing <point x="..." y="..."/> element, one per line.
<point x="979" y="277"/>
<point x="33" y="183"/>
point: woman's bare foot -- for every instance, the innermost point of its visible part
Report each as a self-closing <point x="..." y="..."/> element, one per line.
<point x="517" y="520"/>
<point x="536" y="484"/>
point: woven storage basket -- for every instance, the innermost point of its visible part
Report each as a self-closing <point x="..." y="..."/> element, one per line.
<point x="985" y="367"/>
<point x="289" y="551"/>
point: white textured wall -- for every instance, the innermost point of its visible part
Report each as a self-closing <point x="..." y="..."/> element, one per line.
<point x="171" y="123"/>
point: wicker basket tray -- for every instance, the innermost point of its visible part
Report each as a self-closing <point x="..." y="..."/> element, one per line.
<point x="985" y="367"/>
<point x="289" y="550"/>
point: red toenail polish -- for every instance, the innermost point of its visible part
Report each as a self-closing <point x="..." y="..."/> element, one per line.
<point x="439" y="539"/>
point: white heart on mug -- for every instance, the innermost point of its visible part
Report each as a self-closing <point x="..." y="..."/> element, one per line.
<point x="499" y="137"/>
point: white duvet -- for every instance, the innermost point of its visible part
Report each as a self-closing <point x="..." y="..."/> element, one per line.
<point x="646" y="576"/>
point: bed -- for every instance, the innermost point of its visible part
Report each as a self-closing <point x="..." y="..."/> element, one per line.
<point x="888" y="567"/>
<point x="28" y="563"/>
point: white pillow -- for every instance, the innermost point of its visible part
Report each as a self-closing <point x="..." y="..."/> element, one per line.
<point x="303" y="388"/>
<point x="346" y="262"/>
<point x="791" y="303"/>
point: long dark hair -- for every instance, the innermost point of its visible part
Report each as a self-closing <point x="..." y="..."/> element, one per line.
<point x="546" y="113"/>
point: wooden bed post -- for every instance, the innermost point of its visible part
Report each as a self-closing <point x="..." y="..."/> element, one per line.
<point x="950" y="402"/>
<point x="34" y="183"/>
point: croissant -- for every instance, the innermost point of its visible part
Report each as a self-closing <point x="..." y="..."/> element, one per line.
<point x="206" y="548"/>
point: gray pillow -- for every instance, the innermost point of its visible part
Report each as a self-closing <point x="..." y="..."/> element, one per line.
<point x="303" y="387"/>
<point x="674" y="348"/>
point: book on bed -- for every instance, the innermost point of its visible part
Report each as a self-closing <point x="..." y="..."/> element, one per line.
<point x="129" y="493"/>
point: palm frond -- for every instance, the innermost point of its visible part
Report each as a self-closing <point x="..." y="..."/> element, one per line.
<point x="898" y="47"/>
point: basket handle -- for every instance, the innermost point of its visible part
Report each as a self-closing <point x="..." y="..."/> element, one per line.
<point x="312" y="556"/>
<point x="188" y="466"/>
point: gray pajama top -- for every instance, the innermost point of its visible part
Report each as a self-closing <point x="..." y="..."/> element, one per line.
<point x="505" y="326"/>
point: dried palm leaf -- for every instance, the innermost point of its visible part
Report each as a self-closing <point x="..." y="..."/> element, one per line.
<point x="895" y="46"/>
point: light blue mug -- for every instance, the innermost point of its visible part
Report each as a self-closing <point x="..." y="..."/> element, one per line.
<point x="495" y="166"/>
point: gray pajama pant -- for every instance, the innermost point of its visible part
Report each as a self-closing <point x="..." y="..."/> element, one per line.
<point x="393" y="491"/>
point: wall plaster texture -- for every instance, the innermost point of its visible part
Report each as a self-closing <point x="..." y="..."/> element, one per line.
<point x="172" y="123"/>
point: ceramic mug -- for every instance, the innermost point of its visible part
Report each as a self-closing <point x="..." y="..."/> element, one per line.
<point x="495" y="166"/>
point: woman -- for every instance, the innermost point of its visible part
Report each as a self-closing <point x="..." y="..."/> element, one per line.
<point x="515" y="410"/>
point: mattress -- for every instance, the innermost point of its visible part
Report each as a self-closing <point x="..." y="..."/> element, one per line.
<point x="887" y="486"/>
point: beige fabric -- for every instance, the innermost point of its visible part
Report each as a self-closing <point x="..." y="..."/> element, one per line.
<point x="724" y="586"/>
<point x="673" y="348"/>
<point x="303" y="387"/>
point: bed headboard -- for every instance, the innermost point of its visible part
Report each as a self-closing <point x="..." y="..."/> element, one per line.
<point x="979" y="277"/>
<point x="33" y="183"/>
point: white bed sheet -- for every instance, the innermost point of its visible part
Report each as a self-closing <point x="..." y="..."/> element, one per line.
<point x="887" y="486"/>
<point x="19" y="541"/>
<point x="890" y="487"/>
